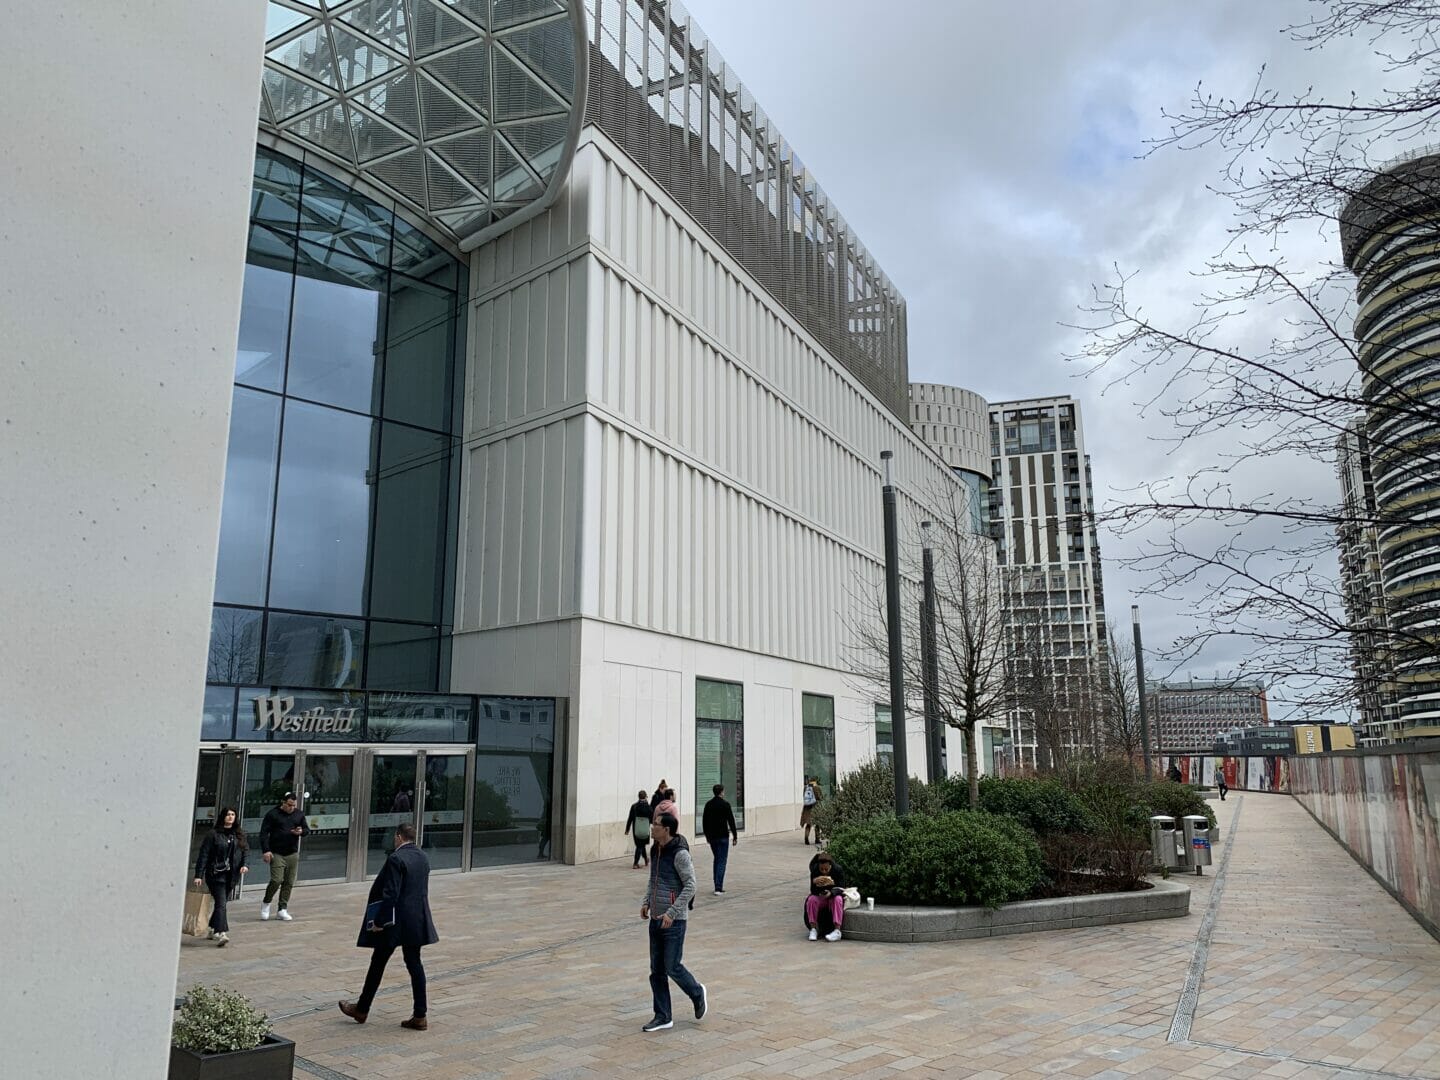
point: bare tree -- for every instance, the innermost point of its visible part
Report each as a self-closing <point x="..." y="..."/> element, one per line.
<point x="973" y="682"/>
<point x="1121" y="711"/>
<point x="1266" y="376"/>
<point x="234" y="646"/>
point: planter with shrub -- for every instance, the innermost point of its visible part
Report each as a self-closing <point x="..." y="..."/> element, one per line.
<point x="869" y="792"/>
<point x="219" y="1035"/>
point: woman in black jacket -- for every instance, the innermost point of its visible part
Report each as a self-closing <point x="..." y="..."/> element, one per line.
<point x="221" y="868"/>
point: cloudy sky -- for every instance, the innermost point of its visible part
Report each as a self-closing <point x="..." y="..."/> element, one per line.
<point x="992" y="158"/>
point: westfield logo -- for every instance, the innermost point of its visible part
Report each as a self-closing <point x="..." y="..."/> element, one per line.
<point x="275" y="714"/>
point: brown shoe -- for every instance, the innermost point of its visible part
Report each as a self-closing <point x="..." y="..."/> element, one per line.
<point x="349" y="1009"/>
<point x="416" y="1023"/>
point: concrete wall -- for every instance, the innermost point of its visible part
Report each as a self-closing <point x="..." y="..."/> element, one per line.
<point x="1383" y="804"/>
<point x="129" y="139"/>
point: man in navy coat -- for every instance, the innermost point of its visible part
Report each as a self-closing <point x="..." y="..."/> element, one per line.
<point x="398" y="914"/>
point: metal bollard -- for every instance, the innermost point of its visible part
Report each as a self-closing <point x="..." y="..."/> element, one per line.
<point x="1196" y="832"/>
<point x="1162" y="840"/>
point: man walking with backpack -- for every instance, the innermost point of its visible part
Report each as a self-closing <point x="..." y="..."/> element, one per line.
<point x="638" y="826"/>
<point x="664" y="908"/>
<point x="718" y="824"/>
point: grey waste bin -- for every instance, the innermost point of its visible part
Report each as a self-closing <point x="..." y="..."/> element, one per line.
<point x="1162" y="840"/>
<point x="1195" y="831"/>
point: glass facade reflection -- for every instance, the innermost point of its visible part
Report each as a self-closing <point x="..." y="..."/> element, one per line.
<point x="337" y="531"/>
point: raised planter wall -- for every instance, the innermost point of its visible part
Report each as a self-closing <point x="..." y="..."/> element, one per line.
<point x="1167" y="900"/>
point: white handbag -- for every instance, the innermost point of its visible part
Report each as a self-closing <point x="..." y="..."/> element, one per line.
<point x="852" y="898"/>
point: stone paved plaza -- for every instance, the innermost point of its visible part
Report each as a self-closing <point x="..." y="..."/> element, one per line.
<point x="1309" y="969"/>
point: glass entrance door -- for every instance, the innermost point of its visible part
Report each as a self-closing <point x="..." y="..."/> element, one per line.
<point x="394" y="799"/>
<point x="218" y="782"/>
<point x="329" y="787"/>
<point x="442" y="823"/>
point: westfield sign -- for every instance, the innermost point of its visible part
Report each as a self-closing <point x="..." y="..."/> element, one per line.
<point x="275" y="714"/>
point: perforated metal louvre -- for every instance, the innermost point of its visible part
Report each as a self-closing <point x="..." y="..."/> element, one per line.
<point x="462" y="109"/>
<point x="664" y="94"/>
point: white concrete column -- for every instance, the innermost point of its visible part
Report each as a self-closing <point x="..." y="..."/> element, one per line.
<point x="128" y="141"/>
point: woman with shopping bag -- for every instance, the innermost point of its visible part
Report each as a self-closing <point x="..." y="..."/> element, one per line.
<point x="220" y="867"/>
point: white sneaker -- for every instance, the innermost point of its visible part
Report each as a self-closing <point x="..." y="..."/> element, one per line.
<point x="833" y="935"/>
<point x="264" y="912"/>
<point x="210" y="936"/>
<point x="814" y="934"/>
<point x="283" y="915"/>
<point x="221" y="940"/>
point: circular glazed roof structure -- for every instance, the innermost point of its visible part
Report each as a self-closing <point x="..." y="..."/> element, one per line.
<point x="466" y="111"/>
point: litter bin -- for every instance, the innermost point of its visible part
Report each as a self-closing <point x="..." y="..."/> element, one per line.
<point x="1162" y="840"/>
<point x="1195" y="829"/>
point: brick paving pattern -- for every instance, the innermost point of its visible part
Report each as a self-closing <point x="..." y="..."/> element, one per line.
<point x="1312" y="971"/>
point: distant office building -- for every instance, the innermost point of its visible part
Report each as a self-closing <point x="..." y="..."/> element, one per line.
<point x="1042" y="517"/>
<point x="1190" y="717"/>
<point x="1388" y="233"/>
<point x="956" y="424"/>
<point x="1255" y="742"/>
<point x="1323" y="738"/>
<point x="1362" y="588"/>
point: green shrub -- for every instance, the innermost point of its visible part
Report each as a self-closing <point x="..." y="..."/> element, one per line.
<point x="1042" y="806"/>
<point x="216" y="1021"/>
<point x="869" y="792"/>
<point x="957" y="858"/>
<point x="1176" y="800"/>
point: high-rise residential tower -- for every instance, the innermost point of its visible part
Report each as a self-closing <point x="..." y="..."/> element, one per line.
<point x="1362" y="589"/>
<point x="1388" y="236"/>
<point x="1042" y="514"/>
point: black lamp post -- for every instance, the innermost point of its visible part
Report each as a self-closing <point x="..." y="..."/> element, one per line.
<point x="892" y="618"/>
<point x="929" y="660"/>
<point x="1140" y="691"/>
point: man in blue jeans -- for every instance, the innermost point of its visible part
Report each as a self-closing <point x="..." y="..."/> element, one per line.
<point x="718" y="824"/>
<point x="665" y="907"/>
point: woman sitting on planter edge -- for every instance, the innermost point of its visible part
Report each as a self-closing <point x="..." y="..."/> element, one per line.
<point x="220" y="867"/>
<point x="825" y="906"/>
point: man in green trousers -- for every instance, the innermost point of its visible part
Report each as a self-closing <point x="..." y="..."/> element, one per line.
<point x="280" y="835"/>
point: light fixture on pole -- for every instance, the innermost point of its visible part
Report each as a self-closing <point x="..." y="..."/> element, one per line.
<point x="929" y="661"/>
<point x="892" y="619"/>
<point x="1140" y="691"/>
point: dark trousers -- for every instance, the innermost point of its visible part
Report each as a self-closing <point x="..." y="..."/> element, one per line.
<point x="1222" y="793"/>
<point x="640" y="843"/>
<point x="220" y="893"/>
<point x="378" y="960"/>
<point x="666" y="948"/>
<point x="721" y="850"/>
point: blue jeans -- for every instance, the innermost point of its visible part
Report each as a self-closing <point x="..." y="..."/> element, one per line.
<point x="666" y="947"/>
<point x="721" y="849"/>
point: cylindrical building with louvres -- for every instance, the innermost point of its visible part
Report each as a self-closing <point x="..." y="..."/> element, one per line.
<point x="1390" y="238"/>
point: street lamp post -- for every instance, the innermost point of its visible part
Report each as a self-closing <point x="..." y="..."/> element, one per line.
<point x="1140" y="690"/>
<point x="892" y="618"/>
<point x="930" y="662"/>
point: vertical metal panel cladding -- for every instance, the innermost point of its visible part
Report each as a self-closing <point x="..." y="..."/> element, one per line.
<point x="466" y="111"/>
<point x="663" y="93"/>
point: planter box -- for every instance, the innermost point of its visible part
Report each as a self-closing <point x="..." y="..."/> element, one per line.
<point x="274" y="1059"/>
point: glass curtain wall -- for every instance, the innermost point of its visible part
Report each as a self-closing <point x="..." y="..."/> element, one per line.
<point x="337" y="533"/>
<point x="817" y="725"/>
<point x="514" y="768"/>
<point x="720" y="744"/>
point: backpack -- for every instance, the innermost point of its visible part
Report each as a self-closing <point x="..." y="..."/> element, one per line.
<point x="642" y="828"/>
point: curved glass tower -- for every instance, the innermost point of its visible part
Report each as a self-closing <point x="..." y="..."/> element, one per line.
<point x="1390" y="237"/>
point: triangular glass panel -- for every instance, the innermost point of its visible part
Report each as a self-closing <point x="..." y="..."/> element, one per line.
<point x="403" y="173"/>
<point x="468" y="155"/>
<point x="538" y="140"/>
<point x="467" y="73"/>
<point x="280" y="20"/>
<point x="328" y="128"/>
<point x="510" y="175"/>
<point x="442" y="114"/>
<point x="509" y="12"/>
<point x="359" y="59"/>
<point x="289" y="96"/>
<point x="383" y="20"/>
<point x="465" y="219"/>
<point x="267" y="114"/>
<point x="434" y="28"/>
<point x="310" y="55"/>
<point x="518" y="94"/>
<point x="373" y="139"/>
<point x="446" y="189"/>
<point x="477" y="11"/>
<point x="394" y="99"/>
<point x="548" y="50"/>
